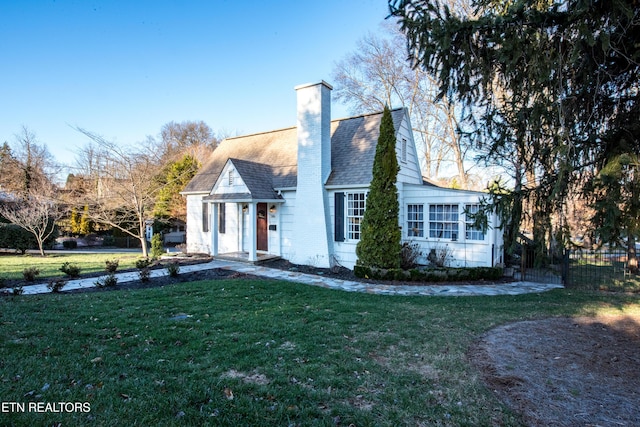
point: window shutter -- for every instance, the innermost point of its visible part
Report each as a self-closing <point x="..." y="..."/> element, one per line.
<point x="205" y="217"/>
<point x="339" y="217"/>
<point x="222" y="215"/>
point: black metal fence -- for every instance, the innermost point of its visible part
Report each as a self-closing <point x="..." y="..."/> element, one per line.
<point x="585" y="269"/>
<point x="601" y="269"/>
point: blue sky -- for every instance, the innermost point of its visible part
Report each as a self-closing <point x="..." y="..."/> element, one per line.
<point x="123" y="69"/>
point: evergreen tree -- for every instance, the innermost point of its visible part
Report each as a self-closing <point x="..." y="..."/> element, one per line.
<point x="379" y="244"/>
<point x="74" y="222"/>
<point x="173" y="178"/>
<point x="86" y="226"/>
<point x="551" y="91"/>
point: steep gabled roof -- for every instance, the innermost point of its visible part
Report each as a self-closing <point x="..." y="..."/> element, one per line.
<point x="353" y="147"/>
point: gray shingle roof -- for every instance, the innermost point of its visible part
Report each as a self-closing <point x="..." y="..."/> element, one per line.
<point x="270" y="158"/>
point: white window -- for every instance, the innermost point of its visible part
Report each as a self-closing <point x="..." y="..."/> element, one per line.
<point x="230" y="177"/>
<point x="443" y="221"/>
<point x="356" y="204"/>
<point x="472" y="232"/>
<point x="415" y="220"/>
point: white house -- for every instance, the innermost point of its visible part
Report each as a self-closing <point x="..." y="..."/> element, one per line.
<point x="300" y="193"/>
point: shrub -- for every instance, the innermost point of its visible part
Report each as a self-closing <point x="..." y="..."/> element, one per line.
<point x="440" y="255"/>
<point x="71" y="270"/>
<point x="30" y="273"/>
<point x="173" y="269"/>
<point x="108" y="241"/>
<point x="156" y="246"/>
<point x="3" y="282"/>
<point x="145" y="274"/>
<point x="15" y="237"/>
<point x="143" y="263"/>
<point x="409" y="255"/>
<point x="108" y="281"/>
<point x="56" y="285"/>
<point x="111" y="265"/>
<point x="69" y="244"/>
<point x="431" y="274"/>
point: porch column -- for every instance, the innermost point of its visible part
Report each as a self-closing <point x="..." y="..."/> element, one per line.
<point x="253" y="235"/>
<point x="214" y="228"/>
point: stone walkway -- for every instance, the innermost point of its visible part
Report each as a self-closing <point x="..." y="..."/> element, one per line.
<point x="514" y="288"/>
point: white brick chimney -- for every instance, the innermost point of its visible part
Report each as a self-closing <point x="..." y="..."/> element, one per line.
<point x="312" y="222"/>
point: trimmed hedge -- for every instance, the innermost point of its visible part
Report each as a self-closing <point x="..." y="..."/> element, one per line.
<point x="15" y="237"/>
<point x="69" y="244"/>
<point x="430" y="275"/>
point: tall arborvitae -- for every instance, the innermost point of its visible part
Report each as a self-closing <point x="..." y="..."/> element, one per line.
<point x="379" y="244"/>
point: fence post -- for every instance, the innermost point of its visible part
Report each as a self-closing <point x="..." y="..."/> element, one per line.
<point x="565" y="266"/>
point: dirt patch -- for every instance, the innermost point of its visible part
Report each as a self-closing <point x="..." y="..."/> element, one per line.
<point x="566" y="371"/>
<point x="251" y="378"/>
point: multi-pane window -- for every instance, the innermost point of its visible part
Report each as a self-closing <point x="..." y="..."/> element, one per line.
<point x="443" y="221"/>
<point x="415" y="220"/>
<point x="205" y="217"/>
<point x="472" y="232"/>
<point x="356" y="203"/>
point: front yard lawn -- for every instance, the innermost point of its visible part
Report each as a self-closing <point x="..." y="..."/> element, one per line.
<point x="11" y="265"/>
<point x="259" y="352"/>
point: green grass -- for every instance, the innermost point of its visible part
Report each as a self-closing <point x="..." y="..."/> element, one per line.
<point x="291" y="354"/>
<point x="11" y="266"/>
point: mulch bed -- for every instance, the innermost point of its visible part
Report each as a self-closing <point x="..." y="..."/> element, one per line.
<point x="337" y="272"/>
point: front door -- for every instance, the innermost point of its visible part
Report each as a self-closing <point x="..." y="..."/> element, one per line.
<point x="261" y="228"/>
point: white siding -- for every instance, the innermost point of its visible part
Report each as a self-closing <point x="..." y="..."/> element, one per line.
<point x="343" y="252"/>
<point x="197" y="240"/>
<point x="223" y="186"/>
<point x="464" y="253"/>
<point x="287" y="210"/>
<point x="229" y="240"/>
<point x="410" y="169"/>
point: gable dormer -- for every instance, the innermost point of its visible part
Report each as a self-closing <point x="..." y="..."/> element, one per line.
<point x="406" y="152"/>
<point x="230" y="182"/>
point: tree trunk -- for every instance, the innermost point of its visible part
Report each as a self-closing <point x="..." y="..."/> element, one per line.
<point x="632" y="259"/>
<point x="41" y="248"/>
<point x="143" y="242"/>
<point x="142" y="236"/>
<point x="457" y="149"/>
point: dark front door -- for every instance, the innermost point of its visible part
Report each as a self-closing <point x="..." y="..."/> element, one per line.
<point x="261" y="228"/>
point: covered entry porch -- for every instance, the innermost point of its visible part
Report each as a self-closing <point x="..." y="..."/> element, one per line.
<point x="244" y="229"/>
<point x="244" y="257"/>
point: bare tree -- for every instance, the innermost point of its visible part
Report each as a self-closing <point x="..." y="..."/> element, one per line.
<point x="194" y="138"/>
<point x="121" y="191"/>
<point x="26" y="164"/>
<point x="378" y="74"/>
<point x="35" y="213"/>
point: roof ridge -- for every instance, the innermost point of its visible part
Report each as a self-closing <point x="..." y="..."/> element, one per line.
<point x="295" y="127"/>
<point x="260" y="133"/>
<point x="366" y="115"/>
